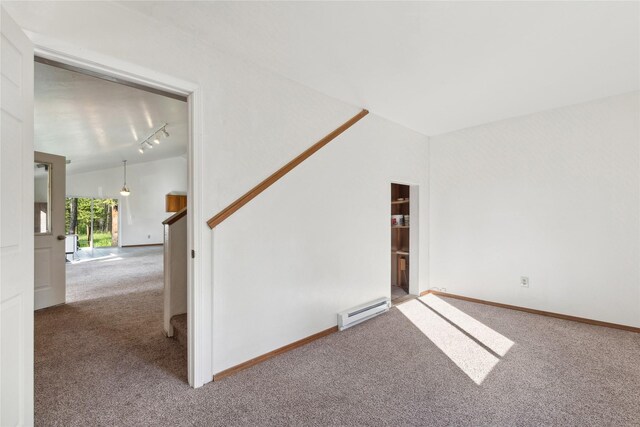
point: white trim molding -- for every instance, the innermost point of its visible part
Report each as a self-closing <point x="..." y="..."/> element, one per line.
<point x="56" y="50"/>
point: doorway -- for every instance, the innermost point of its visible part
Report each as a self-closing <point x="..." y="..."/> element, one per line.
<point x="113" y="69"/>
<point x="126" y="148"/>
<point x="400" y="240"/>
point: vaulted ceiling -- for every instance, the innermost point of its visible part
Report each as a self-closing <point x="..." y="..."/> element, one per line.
<point x="96" y="124"/>
<point x="431" y="66"/>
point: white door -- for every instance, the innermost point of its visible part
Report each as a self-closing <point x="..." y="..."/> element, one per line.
<point x="49" y="229"/>
<point x="16" y="232"/>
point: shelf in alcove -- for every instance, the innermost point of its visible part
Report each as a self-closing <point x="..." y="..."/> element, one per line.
<point x="400" y="252"/>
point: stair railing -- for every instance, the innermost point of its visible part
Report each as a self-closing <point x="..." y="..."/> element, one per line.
<point x="248" y="196"/>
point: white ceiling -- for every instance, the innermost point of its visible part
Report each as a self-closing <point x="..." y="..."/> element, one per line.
<point x="431" y="66"/>
<point x="97" y="124"/>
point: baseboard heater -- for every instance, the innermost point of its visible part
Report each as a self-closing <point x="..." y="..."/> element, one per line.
<point x="359" y="314"/>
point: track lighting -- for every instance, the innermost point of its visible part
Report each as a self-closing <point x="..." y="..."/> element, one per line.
<point x="155" y="137"/>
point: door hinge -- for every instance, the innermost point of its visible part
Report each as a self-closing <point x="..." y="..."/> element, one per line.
<point x="193" y="253"/>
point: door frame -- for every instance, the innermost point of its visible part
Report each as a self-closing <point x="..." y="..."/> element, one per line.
<point x="199" y="315"/>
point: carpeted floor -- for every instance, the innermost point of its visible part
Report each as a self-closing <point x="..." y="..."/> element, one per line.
<point x="397" y="292"/>
<point x="104" y="361"/>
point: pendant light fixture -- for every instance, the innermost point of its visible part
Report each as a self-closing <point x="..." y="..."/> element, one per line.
<point x="124" y="191"/>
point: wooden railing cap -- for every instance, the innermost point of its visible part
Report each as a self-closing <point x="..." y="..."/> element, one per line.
<point x="176" y="216"/>
<point x="243" y="200"/>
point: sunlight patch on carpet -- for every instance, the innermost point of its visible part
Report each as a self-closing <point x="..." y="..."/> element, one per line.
<point x="498" y="343"/>
<point x="475" y="361"/>
<point x="80" y="261"/>
<point x="111" y="259"/>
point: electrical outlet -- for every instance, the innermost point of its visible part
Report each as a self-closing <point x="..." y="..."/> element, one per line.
<point x="524" y="281"/>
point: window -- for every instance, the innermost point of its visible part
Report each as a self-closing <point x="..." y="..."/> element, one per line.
<point x="42" y="198"/>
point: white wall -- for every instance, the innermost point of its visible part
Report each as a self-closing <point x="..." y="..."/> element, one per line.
<point x="254" y="122"/>
<point x="315" y="243"/>
<point x="553" y="196"/>
<point x="142" y="212"/>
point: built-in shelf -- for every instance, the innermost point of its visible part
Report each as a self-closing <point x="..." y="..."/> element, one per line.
<point x="399" y="202"/>
<point x="400" y="211"/>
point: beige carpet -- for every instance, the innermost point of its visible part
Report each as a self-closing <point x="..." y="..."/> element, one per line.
<point x="104" y="361"/>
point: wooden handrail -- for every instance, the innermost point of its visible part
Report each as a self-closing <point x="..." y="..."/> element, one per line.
<point x="176" y="216"/>
<point x="233" y="207"/>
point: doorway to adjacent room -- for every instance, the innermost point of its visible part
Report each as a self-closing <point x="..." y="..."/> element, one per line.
<point x="400" y="240"/>
<point x="119" y="153"/>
